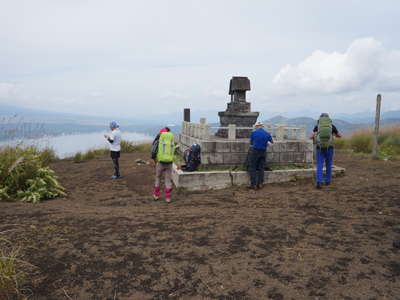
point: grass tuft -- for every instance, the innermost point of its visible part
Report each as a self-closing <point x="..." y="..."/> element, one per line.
<point x="12" y="276"/>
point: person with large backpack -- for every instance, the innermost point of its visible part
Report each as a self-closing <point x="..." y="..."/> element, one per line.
<point x="323" y="135"/>
<point x="162" y="153"/>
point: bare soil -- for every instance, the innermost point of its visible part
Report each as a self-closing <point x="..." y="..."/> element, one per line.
<point x="109" y="240"/>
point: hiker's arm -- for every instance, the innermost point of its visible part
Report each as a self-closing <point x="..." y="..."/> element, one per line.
<point x="251" y="138"/>
<point x="271" y="140"/>
<point x="335" y="132"/>
<point x="109" y="139"/>
<point x="154" y="147"/>
<point x="314" y="133"/>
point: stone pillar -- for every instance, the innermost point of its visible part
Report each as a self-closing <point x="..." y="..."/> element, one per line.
<point x="186" y="114"/>
<point x="303" y="133"/>
<point x="280" y="132"/>
<point x="183" y="127"/>
<point x="207" y="129"/>
<point x="231" y="132"/>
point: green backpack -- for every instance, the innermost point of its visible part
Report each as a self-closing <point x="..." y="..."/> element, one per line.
<point x="324" y="135"/>
<point x="166" y="148"/>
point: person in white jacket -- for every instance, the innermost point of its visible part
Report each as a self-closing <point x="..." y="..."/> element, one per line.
<point x="114" y="139"/>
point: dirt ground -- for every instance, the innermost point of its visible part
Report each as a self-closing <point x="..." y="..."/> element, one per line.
<point x="109" y="240"/>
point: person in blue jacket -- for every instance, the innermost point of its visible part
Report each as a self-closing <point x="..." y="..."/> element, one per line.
<point x="259" y="140"/>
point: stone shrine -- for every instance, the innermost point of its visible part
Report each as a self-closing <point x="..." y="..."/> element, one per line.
<point x="238" y="111"/>
<point x="224" y="154"/>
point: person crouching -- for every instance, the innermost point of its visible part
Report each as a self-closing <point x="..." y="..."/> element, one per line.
<point x="114" y="139"/>
<point x="162" y="153"/>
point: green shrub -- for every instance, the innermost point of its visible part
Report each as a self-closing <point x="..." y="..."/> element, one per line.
<point x="24" y="176"/>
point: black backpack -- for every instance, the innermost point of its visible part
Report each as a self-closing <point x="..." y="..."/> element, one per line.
<point x="192" y="157"/>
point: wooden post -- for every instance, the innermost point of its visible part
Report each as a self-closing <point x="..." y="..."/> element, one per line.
<point x="376" y="130"/>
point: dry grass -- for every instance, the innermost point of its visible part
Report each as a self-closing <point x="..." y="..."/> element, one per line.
<point x="126" y="147"/>
<point x="12" y="274"/>
<point x="361" y="142"/>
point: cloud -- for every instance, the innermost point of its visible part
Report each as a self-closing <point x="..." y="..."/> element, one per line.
<point x="366" y="64"/>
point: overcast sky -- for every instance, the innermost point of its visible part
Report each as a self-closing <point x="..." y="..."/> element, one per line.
<point x="148" y="57"/>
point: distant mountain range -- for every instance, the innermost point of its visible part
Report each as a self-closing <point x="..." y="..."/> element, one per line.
<point x="34" y="121"/>
<point x="343" y="126"/>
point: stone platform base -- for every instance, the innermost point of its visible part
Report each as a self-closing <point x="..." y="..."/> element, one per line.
<point x="207" y="180"/>
<point x="223" y="153"/>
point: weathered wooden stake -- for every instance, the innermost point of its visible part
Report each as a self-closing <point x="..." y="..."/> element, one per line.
<point x="376" y="130"/>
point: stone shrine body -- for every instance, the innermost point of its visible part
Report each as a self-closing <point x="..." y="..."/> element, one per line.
<point x="238" y="111"/>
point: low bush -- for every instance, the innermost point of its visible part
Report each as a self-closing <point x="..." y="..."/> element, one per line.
<point x="25" y="175"/>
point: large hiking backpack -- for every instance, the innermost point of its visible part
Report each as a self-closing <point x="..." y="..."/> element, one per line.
<point x="166" y="148"/>
<point x="192" y="157"/>
<point x="324" y="135"/>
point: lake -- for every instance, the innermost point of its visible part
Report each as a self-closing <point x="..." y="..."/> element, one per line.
<point x="67" y="145"/>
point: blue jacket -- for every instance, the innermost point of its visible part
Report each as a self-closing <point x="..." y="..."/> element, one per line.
<point x="259" y="139"/>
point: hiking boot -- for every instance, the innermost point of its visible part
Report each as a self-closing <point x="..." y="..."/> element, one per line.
<point x="319" y="186"/>
<point x="327" y="183"/>
<point x="252" y="187"/>
<point x="156" y="193"/>
<point x="116" y="176"/>
<point x="168" y="200"/>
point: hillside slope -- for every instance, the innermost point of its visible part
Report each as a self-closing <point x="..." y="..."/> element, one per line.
<point x="109" y="240"/>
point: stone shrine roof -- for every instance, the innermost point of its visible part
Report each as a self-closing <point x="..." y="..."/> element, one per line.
<point x="239" y="84"/>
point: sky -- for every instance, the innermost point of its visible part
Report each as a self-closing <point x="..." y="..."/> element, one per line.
<point x="147" y="58"/>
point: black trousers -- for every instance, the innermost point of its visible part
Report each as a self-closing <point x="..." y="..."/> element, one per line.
<point x="256" y="166"/>
<point x="115" y="158"/>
